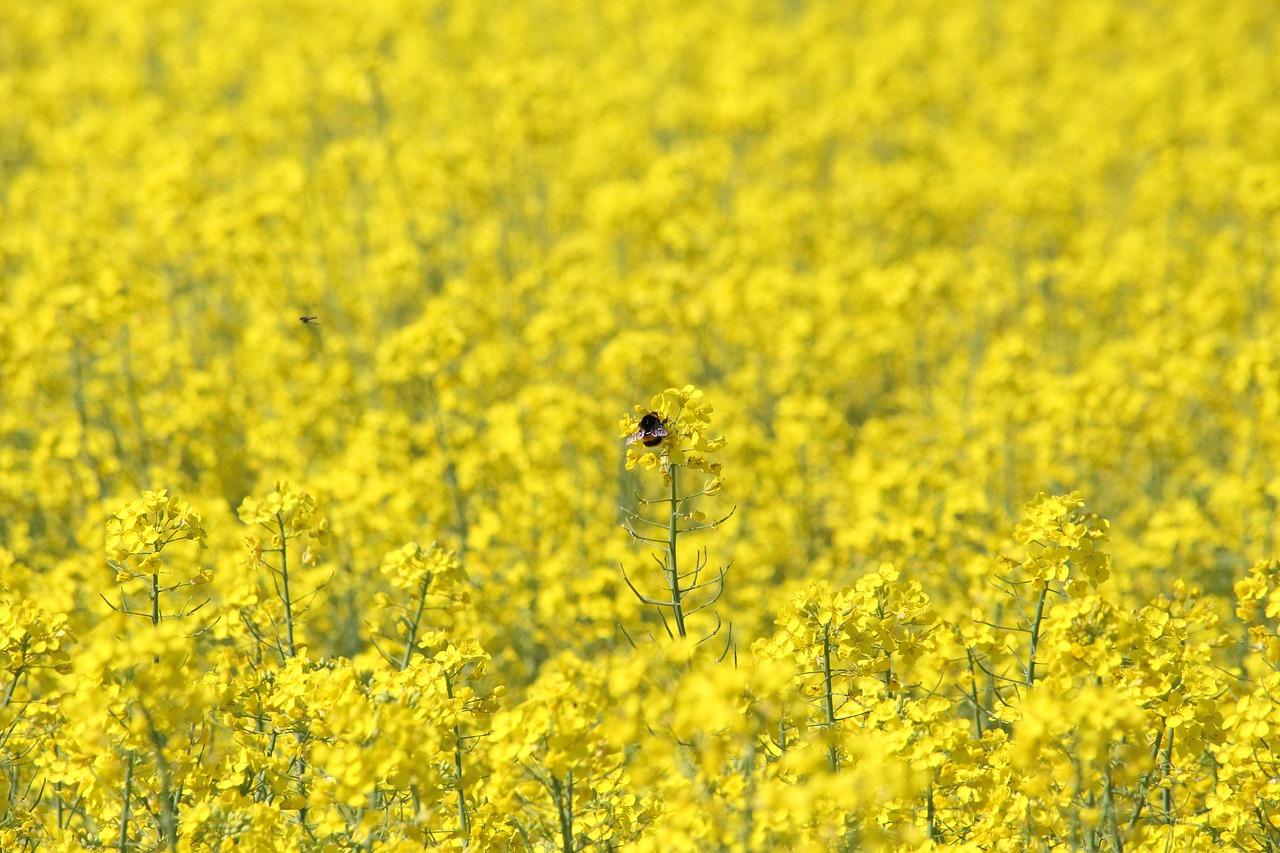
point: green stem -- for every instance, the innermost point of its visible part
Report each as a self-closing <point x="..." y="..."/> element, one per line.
<point x="1140" y="801"/>
<point x="464" y="819"/>
<point x="833" y="758"/>
<point x="302" y="785"/>
<point x="931" y="817"/>
<point x="412" y="638"/>
<point x="17" y="674"/>
<point x="124" y="811"/>
<point x="284" y="588"/>
<point x="1109" y="806"/>
<point x="748" y="811"/>
<point x="1166" y="794"/>
<point x="1035" y="635"/>
<point x="977" y="709"/>
<point x="155" y="598"/>
<point x="673" y="574"/>
<point x="1075" y="812"/>
<point x="563" y="795"/>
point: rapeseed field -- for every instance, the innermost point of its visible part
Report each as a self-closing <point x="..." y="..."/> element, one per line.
<point x="749" y="425"/>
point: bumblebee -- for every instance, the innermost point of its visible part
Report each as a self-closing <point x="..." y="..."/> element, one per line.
<point x="652" y="431"/>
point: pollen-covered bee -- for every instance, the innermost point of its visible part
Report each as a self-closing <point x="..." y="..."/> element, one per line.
<point x="653" y="429"/>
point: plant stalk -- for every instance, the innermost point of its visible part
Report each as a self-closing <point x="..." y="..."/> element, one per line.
<point x="673" y="574"/>
<point x="284" y="588"/>
<point x="1035" y="635"/>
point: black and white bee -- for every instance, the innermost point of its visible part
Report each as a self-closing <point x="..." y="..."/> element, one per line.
<point x="653" y="429"/>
